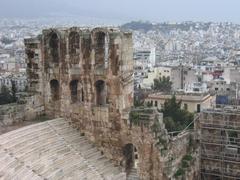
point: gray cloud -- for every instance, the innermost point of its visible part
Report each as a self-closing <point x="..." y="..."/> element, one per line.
<point x="154" y="10"/>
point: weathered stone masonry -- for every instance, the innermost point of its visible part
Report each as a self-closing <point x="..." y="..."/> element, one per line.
<point x="86" y="77"/>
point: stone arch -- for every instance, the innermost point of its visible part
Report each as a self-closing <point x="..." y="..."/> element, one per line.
<point x="86" y="49"/>
<point x="130" y="154"/>
<point x="54" y="45"/>
<point x="101" y="93"/>
<point x="55" y="89"/>
<point x="74" y="46"/>
<point x="101" y="49"/>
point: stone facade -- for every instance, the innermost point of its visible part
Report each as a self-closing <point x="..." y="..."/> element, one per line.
<point x="86" y="77"/>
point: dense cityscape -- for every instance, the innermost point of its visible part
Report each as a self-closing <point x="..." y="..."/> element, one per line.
<point x="172" y="88"/>
<point x="210" y="52"/>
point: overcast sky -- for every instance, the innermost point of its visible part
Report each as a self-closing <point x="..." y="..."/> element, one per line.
<point x="127" y="10"/>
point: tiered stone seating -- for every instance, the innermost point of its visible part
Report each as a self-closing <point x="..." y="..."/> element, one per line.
<point x="53" y="150"/>
<point x="133" y="175"/>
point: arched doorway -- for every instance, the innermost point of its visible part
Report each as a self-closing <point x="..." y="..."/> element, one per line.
<point x="54" y="47"/>
<point x="74" y="45"/>
<point x="130" y="154"/>
<point x="100" y="38"/>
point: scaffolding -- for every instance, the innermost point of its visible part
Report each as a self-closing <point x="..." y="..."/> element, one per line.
<point x="220" y="144"/>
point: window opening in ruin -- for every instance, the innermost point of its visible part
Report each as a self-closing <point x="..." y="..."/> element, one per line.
<point x="100" y="93"/>
<point x="74" y="43"/>
<point x="130" y="157"/>
<point x="74" y="90"/>
<point x="82" y="95"/>
<point x="54" y="86"/>
<point x="136" y="156"/>
<point x="101" y="49"/>
<point x="54" y="47"/>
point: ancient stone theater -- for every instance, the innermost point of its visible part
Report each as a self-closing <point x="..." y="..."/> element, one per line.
<point x="82" y="78"/>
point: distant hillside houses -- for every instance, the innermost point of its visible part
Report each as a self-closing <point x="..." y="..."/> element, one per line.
<point x="19" y="79"/>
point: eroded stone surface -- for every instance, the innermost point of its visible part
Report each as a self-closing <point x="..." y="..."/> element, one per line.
<point x="86" y="77"/>
<point x="53" y="150"/>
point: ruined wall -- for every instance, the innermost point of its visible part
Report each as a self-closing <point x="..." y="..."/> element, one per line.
<point x="28" y="110"/>
<point x="86" y="76"/>
<point x="182" y="160"/>
<point x="33" y="60"/>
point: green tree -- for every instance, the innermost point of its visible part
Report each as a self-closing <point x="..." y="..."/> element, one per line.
<point x="162" y="84"/>
<point x="14" y="90"/>
<point x="137" y="102"/>
<point x="175" y="118"/>
<point x="171" y="107"/>
<point x="5" y="96"/>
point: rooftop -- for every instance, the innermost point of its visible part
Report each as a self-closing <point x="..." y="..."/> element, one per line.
<point x="183" y="96"/>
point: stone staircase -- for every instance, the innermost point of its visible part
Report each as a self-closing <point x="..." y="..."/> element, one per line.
<point x="133" y="175"/>
<point x="53" y="150"/>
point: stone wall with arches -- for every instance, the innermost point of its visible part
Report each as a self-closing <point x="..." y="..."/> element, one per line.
<point x="86" y="76"/>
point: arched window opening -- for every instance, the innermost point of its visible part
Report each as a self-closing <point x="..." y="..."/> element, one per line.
<point x="82" y="95"/>
<point x="54" y="47"/>
<point x="100" y="93"/>
<point x="130" y="157"/>
<point x="100" y="39"/>
<point x="74" y="90"/>
<point x="86" y="52"/>
<point x="74" y="39"/>
<point x="54" y="86"/>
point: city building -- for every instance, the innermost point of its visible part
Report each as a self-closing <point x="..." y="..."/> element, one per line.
<point x="158" y="72"/>
<point x="19" y="80"/>
<point x="190" y="102"/>
<point x="231" y="74"/>
<point x="146" y="56"/>
<point x="182" y="76"/>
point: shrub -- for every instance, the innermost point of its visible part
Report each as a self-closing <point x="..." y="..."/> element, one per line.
<point x="187" y="157"/>
<point x="179" y="172"/>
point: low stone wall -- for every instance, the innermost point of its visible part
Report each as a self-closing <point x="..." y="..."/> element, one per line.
<point x="11" y="113"/>
<point x="15" y="113"/>
<point x="183" y="148"/>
